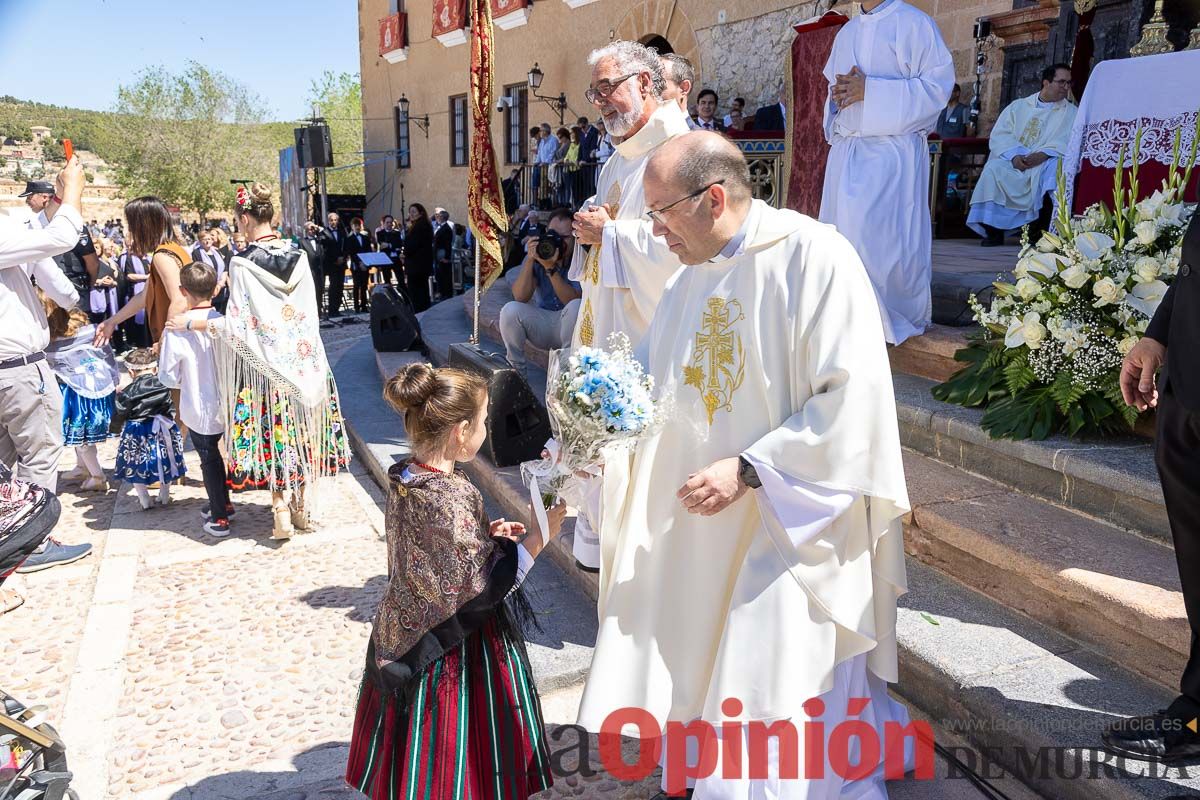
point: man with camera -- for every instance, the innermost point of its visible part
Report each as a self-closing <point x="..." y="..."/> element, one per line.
<point x="545" y="302"/>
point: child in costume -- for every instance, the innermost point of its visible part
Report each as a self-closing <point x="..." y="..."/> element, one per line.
<point x="88" y="376"/>
<point x="448" y="707"/>
<point x="151" y="449"/>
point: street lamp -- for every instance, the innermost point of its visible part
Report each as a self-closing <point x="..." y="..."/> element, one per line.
<point x="422" y="121"/>
<point x="559" y="103"/>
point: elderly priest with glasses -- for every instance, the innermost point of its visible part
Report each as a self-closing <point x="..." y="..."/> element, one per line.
<point x="624" y="271"/>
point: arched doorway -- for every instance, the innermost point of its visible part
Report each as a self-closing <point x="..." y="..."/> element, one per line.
<point x="658" y="43"/>
<point x="661" y="24"/>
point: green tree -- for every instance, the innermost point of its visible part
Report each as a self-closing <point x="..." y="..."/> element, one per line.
<point x="339" y="98"/>
<point x="183" y="137"/>
<point x="53" y="151"/>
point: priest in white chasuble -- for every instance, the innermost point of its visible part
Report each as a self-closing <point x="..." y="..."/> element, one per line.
<point x="624" y="271"/>
<point x="889" y="75"/>
<point x="755" y="552"/>
<point x="1030" y="137"/>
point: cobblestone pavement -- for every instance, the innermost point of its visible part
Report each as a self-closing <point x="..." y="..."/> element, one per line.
<point x="180" y="666"/>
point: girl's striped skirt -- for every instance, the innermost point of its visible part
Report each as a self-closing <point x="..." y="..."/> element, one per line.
<point x="473" y="730"/>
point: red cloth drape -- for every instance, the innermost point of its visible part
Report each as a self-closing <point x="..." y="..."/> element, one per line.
<point x="810" y="92"/>
<point x="503" y="7"/>
<point x="1095" y="184"/>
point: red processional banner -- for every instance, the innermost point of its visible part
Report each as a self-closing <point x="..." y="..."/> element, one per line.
<point x="485" y="203"/>
<point x="449" y="16"/>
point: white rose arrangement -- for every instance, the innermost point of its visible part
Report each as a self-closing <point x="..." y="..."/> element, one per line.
<point x="1052" y="342"/>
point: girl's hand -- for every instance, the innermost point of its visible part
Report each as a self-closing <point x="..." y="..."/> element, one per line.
<point x="104" y="332"/>
<point x="555" y="515"/>
<point x="508" y="530"/>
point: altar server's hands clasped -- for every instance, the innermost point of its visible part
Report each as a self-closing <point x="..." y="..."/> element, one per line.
<point x="710" y="490"/>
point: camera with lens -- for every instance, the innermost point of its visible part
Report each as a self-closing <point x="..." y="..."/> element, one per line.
<point x="550" y="245"/>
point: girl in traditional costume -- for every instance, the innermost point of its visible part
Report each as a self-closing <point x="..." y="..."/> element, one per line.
<point x="448" y="707"/>
<point x="88" y="376"/>
<point x="284" y="428"/>
<point x="151" y="448"/>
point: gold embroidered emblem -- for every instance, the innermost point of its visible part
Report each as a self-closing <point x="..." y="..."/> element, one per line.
<point x="587" y="326"/>
<point x="719" y="361"/>
<point x="1033" y="130"/>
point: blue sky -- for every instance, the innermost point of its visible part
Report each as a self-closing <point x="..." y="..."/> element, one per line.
<point x="77" y="52"/>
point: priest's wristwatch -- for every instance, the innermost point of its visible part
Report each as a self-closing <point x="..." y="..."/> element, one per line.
<point x="747" y="474"/>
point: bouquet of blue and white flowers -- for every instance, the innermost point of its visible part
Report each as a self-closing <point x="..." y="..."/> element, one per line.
<point x="597" y="399"/>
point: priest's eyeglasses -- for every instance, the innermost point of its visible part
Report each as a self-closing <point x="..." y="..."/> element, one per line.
<point x="604" y="89"/>
<point x="657" y="214"/>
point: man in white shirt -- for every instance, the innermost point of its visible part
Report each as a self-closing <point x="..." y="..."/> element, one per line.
<point x="30" y="401"/>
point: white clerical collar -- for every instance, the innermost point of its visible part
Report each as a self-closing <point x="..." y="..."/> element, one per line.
<point x="667" y="121"/>
<point x="881" y="8"/>
<point x="737" y="245"/>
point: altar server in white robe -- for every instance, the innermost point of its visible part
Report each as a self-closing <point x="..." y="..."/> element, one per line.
<point x="770" y="341"/>
<point x="889" y="75"/>
<point x="1029" y="139"/>
<point x="626" y="268"/>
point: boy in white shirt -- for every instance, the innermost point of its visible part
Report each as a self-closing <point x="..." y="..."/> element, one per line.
<point x="186" y="362"/>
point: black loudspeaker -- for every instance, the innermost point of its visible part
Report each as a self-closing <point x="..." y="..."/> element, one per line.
<point x="314" y="148"/>
<point x="518" y="425"/>
<point x="394" y="325"/>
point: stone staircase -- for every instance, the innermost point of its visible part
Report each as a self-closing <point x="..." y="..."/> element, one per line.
<point x="1044" y="599"/>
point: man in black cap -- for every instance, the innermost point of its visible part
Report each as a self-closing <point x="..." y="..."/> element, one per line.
<point x="80" y="265"/>
<point x="37" y="196"/>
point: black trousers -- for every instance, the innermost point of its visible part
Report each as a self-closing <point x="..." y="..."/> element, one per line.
<point x="336" y="277"/>
<point x="362" y="287"/>
<point x="318" y="286"/>
<point x="212" y="468"/>
<point x="444" y="277"/>
<point x="418" y="289"/>
<point x="1177" y="453"/>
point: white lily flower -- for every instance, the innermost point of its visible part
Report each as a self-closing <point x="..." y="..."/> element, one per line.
<point x="1145" y="297"/>
<point x="1094" y="246"/>
<point x="1042" y="263"/>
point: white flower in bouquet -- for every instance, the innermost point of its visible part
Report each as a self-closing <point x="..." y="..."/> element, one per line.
<point x="1045" y="264"/>
<point x="1049" y="243"/>
<point x="1146" y="269"/>
<point x="1145" y="297"/>
<point x="1146" y="233"/>
<point x="1170" y="262"/>
<point x="1149" y="208"/>
<point x="1027" y="330"/>
<point x="1126" y="344"/>
<point x="1107" y="291"/>
<point x="1028" y="288"/>
<point x="1075" y="276"/>
<point x="1171" y="215"/>
<point x="1094" y="246"/>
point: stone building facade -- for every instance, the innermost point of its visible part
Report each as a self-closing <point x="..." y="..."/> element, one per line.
<point x="738" y="48"/>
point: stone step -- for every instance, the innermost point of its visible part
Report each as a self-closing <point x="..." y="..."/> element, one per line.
<point x="1031" y="699"/>
<point x="1118" y="594"/>
<point x="1113" y="479"/>
<point x="930" y="355"/>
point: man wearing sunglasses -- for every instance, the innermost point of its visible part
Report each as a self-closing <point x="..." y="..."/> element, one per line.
<point x="625" y="268"/>
<point x="770" y="341"/>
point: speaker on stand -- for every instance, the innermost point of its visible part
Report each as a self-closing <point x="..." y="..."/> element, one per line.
<point x="518" y="425"/>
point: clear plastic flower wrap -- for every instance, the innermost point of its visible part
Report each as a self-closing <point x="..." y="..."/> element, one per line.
<point x="597" y="399"/>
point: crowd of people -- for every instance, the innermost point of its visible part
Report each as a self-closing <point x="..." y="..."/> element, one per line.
<point x="257" y="402"/>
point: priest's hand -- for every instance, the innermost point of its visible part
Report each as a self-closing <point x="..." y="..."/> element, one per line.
<point x="850" y="89"/>
<point x="710" y="490"/>
<point x="589" y="224"/>
<point x="1020" y="163"/>
<point x="1137" y="373"/>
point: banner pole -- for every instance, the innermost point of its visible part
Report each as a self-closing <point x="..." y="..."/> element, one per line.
<point x="475" y="315"/>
